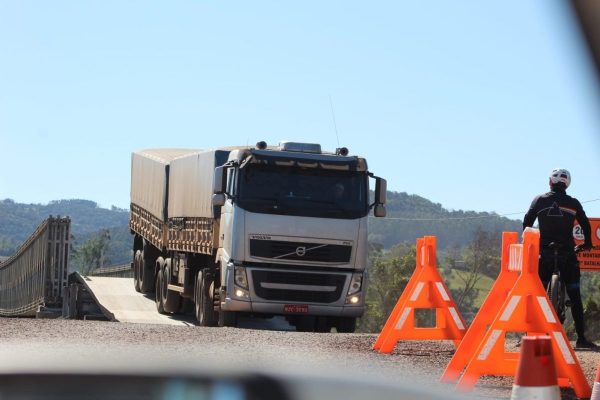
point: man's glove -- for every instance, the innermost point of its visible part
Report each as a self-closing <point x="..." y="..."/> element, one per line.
<point x="583" y="247"/>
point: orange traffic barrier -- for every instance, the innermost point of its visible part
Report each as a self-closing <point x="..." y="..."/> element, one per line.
<point x="536" y="374"/>
<point x="494" y="300"/>
<point x="396" y="311"/>
<point x="526" y="309"/>
<point x="596" y="390"/>
<point x="426" y="290"/>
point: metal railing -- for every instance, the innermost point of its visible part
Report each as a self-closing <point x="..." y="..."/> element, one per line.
<point x="36" y="275"/>
<point x="121" y="270"/>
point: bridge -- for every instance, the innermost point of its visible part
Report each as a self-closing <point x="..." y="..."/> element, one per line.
<point x="34" y="278"/>
<point x="35" y="281"/>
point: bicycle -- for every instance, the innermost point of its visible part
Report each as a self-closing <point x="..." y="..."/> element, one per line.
<point x="556" y="288"/>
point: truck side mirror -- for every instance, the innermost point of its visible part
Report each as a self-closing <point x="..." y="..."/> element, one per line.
<point x="379" y="210"/>
<point x="218" y="199"/>
<point x="220" y="180"/>
<point x="380" y="190"/>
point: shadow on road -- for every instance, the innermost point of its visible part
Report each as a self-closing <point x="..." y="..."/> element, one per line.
<point x="277" y="323"/>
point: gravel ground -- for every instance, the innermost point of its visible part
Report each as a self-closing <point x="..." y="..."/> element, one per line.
<point x="63" y="343"/>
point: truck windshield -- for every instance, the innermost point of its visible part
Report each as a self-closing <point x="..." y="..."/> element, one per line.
<point x="308" y="192"/>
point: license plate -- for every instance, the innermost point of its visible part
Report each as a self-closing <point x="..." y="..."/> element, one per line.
<point x="295" y="308"/>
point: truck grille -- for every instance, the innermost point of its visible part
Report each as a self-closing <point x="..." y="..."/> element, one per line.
<point x="300" y="251"/>
<point x="306" y="287"/>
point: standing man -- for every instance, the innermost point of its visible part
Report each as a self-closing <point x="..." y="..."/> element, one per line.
<point x="556" y="213"/>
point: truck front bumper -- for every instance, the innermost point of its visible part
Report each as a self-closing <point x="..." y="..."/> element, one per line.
<point x="279" y="291"/>
<point x="279" y="308"/>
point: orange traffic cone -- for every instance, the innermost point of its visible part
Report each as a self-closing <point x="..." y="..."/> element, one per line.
<point x="596" y="389"/>
<point x="536" y="374"/>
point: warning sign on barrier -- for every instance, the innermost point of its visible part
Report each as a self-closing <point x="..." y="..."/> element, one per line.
<point x="589" y="260"/>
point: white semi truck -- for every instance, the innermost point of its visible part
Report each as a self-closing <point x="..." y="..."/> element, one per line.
<point x="264" y="231"/>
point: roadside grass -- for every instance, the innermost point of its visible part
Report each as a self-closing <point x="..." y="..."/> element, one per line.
<point x="483" y="285"/>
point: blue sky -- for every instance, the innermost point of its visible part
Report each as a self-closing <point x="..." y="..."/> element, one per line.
<point x="467" y="103"/>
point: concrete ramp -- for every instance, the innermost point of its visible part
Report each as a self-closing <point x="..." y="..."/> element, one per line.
<point x="119" y="301"/>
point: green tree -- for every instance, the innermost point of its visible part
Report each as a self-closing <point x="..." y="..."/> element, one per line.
<point x="592" y="316"/>
<point x="590" y="293"/>
<point x="480" y="257"/>
<point x="388" y="274"/>
<point x="92" y="254"/>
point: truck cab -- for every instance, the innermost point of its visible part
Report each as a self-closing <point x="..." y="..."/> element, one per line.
<point x="293" y="234"/>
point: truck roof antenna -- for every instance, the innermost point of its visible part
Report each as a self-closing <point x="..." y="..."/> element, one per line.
<point x="334" y="123"/>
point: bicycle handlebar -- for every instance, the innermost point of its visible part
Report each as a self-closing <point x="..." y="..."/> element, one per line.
<point x="580" y="248"/>
<point x="555" y="246"/>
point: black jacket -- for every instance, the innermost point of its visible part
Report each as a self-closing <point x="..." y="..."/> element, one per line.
<point x="556" y="212"/>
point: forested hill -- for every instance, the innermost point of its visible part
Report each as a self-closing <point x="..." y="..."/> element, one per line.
<point x="18" y="221"/>
<point x="417" y="216"/>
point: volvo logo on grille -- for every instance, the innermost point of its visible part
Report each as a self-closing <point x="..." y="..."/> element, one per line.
<point x="300" y="251"/>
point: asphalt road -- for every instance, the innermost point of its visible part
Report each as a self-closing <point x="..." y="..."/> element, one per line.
<point x="67" y="344"/>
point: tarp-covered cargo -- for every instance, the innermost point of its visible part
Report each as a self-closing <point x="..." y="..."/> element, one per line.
<point x="191" y="183"/>
<point x="149" y="175"/>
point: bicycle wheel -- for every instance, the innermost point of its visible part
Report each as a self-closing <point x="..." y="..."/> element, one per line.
<point x="557" y="297"/>
<point x="562" y="301"/>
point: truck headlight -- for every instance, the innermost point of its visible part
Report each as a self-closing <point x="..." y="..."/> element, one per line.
<point x="241" y="293"/>
<point x="240" y="277"/>
<point x="355" y="283"/>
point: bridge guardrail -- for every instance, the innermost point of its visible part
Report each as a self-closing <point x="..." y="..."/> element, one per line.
<point x="36" y="275"/>
<point x="121" y="270"/>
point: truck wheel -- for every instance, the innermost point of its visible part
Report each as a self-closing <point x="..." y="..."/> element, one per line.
<point x="227" y="318"/>
<point x="146" y="273"/>
<point x="346" y="325"/>
<point x="170" y="298"/>
<point x="158" y="292"/>
<point x="136" y="270"/>
<point x="204" y="307"/>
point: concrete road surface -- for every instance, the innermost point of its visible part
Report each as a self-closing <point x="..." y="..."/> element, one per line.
<point x="118" y="298"/>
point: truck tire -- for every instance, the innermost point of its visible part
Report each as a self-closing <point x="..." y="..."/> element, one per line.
<point x="170" y="298"/>
<point x="346" y="325"/>
<point x="228" y="318"/>
<point x="137" y="260"/>
<point x="204" y="304"/>
<point x="158" y="292"/>
<point x="146" y="272"/>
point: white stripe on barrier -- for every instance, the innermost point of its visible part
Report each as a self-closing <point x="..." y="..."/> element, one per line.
<point x="510" y="308"/>
<point x="417" y="291"/>
<point x="564" y="348"/>
<point x="543" y="300"/>
<point x="515" y="257"/>
<point x="456" y="318"/>
<point x="535" y="392"/>
<point x="596" y="391"/>
<point x="443" y="293"/>
<point x="403" y="317"/>
<point x="485" y="352"/>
